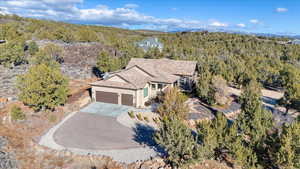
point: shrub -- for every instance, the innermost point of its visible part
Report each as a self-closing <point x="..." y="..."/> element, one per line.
<point x="139" y="116"/>
<point x="12" y="53"/>
<point x="146" y="119"/>
<point x="156" y="120"/>
<point x="33" y="48"/>
<point x="131" y="114"/>
<point x="148" y="103"/>
<point x="16" y="113"/>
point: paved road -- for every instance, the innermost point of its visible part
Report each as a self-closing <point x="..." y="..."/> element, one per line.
<point x="95" y="132"/>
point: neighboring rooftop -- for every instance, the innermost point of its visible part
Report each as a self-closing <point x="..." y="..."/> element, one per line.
<point x="295" y="42"/>
<point x="150" y="42"/>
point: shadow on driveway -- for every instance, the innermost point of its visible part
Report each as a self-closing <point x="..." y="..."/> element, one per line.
<point x="144" y="135"/>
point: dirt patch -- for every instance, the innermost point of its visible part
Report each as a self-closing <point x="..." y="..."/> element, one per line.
<point x="265" y="92"/>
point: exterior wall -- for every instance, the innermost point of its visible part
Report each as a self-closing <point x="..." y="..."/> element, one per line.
<point x="153" y="93"/>
<point x="140" y="96"/>
<point x="114" y="90"/>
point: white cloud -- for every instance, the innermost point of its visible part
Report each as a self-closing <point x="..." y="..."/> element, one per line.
<point x="174" y="9"/>
<point x="4" y="11"/>
<point x="281" y="9"/>
<point x="254" y="21"/>
<point x="241" y="25"/>
<point x="131" y="6"/>
<point x="68" y="10"/>
<point x="218" y="24"/>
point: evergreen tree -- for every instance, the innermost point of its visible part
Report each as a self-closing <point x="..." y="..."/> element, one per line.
<point x="221" y="141"/>
<point x="254" y="121"/>
<point x="51" y="55"/>
<point x="104" y="63"/>
<point x="85" y="34"/>
<point x="290" y="77"/>
<point x="288" y="155"/>
<point x="204" y="86"/>
<point x="174" y="104"/>
<point x="33" y="48"/>
<point x="12" y="53"/>
<point x="177" y="140"/>
<point x="43" y="87"/>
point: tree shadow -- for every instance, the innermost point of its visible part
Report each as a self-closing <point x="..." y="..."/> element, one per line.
<point x="269" y="100"/>
<point x="96" y="72"/>
<point x="144" y="134"/>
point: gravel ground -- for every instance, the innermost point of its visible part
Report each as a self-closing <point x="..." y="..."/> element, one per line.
<point x="125" y="119"/>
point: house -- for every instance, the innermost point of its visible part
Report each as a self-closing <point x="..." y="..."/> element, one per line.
<point x="143" y="79"/>
<point x="151" y="42"/>
<point x="294" y="42"/>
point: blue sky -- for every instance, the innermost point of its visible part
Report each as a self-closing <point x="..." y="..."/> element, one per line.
<point x="266" y="16"/>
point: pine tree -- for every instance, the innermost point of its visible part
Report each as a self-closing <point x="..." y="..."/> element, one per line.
<point x="288" y="155"/>
<point x="254" y="121"/>
<point x="221" y="141"/>
<point x="290" y="77"/>
<point x="176" y="138"/>
<point x="174" y="104"/>
<point x="50" y="55"/>
<point x="43" y="87"/>
<point x="104" y="62"/>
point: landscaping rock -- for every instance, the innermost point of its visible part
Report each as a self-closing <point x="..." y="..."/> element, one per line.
<point x="7" y="159"/>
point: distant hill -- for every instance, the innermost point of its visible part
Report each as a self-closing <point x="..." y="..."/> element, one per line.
<point x="278" y="35"/>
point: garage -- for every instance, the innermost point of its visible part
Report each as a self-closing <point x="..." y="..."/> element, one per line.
<point x="107" y="97"/>
<point x="127" y="99"/>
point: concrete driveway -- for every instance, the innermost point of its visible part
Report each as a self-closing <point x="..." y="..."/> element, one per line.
<point x="106" y="109"/>
<point x="96" y="132"/>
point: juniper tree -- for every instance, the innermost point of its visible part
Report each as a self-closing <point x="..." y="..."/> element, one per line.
<point x="212" y="135"/>
<point x="254" y="121"/>
<point x="288" y="155"/>
<point x="221" y="141"/>
<point x="290" y="77"/>
<point x="43" y="87"/>
<point x="12" y="53"/>
<point x="174" y="104"/>
<point x="50" y="55"/>
<point x="104" y="62"/>
<point x="177" y="140"/>
<point x="33" y="48"/>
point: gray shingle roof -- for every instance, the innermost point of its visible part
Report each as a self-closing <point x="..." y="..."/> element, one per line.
<point x="168" y="66"/>
<point x="141" y="71"/>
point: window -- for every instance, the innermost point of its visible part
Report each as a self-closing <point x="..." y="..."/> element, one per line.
<point x="153" y="86"/>
<point x="160" y="86"/>
<point x="145" y="92"/>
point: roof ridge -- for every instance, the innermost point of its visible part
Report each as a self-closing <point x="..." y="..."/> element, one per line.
<point x="122" y="77"/>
